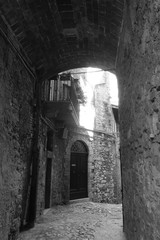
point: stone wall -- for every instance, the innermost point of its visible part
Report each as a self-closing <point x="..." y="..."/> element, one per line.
<point x="105" y="180"/>
<point x="42" y="149"/>
<point x="16" y="127"/>
<point x="18" y="123"/>
<point x="139" y="74"/>
<point x="60" y="157"/>
<point x="117" y="170"/>
<point x="104" y="119"/>
<point x="58" y="193"/>
<point x="106" y="183"/>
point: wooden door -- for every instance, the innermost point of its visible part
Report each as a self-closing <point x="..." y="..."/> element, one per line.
<point x="78" y="175"/>
<point x="48" y="182"/>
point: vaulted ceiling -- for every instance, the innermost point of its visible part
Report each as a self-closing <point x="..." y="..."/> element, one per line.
<point x="58" y="35"/>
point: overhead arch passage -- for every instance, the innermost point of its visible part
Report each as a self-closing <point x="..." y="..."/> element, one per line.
<point x="65" y="34"/>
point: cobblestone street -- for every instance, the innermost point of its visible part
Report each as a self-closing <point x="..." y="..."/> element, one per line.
<point x="78" y="220"/>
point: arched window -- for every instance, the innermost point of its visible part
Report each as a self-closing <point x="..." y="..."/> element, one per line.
<point x="79" y="147"/>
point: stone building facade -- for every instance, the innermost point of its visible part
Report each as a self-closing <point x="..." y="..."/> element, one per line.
<point x="106" y="181"/>
<point x="24" y="148"/>
<point x="20" y="142"/>
<point x="104" y="177"/>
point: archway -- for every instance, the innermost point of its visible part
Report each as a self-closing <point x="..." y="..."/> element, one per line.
<point x="79" y="171"/>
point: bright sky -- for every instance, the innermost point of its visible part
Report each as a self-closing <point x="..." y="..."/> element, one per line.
<point x="113" y="89"/>
<point x="87" y="112"/>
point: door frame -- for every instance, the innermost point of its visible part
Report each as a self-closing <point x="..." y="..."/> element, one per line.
<point x="76" y="137"/>
<point x="86" y="187"/>
<point x="48" y="184"/>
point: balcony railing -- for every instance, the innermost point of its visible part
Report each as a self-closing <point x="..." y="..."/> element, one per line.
<point x="63" y="99"/>
<point x="59" y="91"/>
<point x="64" y="91"/>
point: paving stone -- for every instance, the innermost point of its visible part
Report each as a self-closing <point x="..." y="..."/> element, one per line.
<point x="78" y="220"/>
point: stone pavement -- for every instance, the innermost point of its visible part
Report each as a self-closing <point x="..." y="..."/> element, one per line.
<point x="78" y="220"/>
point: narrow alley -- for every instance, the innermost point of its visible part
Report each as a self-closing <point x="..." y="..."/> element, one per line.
<point x="78" y="220"/>
<point x="47" y="156"/>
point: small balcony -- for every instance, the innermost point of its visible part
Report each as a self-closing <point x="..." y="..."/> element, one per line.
<point x="62" y="104"/>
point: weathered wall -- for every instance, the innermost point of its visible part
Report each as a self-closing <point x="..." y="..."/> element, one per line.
<point x="117" y="170"/>
<point x="139" y="73"/>
<point x="58" y="192"/>
<point x="103" y="112"/>
<point x="16" y="93"/>
<point x="106" y="184"/>
<point x="105" y="177"/>
<point x="103" y="167"/>
<point x="42" y="148"/>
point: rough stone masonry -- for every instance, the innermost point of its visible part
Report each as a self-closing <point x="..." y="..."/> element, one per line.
<point x="122" y="36"/>
<point x="105" y="178"/>
<point x="17" y="141"/>
<point x="139" y="81"/>
<point x="16" y="124"/>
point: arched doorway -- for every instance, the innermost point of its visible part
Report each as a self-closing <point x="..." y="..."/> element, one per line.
<point x="79" y="171"/>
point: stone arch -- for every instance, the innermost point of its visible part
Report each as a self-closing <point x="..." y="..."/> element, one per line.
<point x="77" y="40"/>
<point x="82" y="144"/>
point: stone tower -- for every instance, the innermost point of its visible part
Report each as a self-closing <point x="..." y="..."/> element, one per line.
<point x="104" y="118"/>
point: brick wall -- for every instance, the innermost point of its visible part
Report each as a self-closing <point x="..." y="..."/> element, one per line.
<point x="16" y="119"/>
